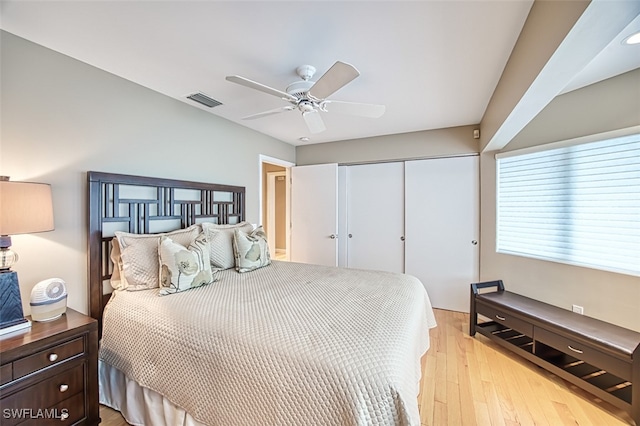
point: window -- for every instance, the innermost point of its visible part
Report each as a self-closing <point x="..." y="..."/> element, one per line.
<point x="577" y="204"/>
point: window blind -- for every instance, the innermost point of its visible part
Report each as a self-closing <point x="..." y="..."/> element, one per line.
<point x="577" y="204"/>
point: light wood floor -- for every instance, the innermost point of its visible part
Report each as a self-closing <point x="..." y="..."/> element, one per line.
<point x="471" y="381"/>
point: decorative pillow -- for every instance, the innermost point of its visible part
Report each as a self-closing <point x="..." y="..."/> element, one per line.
<point x="118" y="281"/>
<point x="220" y="239"/>
<point x="139" y="254"/>
<point x="183" y="268"/>
<point x="251" y="249"/>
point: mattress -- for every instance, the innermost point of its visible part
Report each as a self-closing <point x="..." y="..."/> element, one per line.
<point x="287" y="344"/>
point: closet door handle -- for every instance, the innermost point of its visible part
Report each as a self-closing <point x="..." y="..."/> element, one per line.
<point x="350" y="235"/>
<point x="402" y="238"/>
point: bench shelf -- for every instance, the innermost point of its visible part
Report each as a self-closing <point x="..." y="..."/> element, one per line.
<point x="599" y="357"/>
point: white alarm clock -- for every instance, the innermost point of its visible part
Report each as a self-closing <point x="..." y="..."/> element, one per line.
<point x="48" y="300"/>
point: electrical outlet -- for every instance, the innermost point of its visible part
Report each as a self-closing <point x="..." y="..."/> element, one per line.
<point x="577" y="309"/>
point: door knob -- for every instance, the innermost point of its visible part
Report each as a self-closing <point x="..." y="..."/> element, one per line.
<point x="474" y="242"/>
<point x="350" y="235"/>
<point x="402" y="238"/>
<point x="333" y="236"/>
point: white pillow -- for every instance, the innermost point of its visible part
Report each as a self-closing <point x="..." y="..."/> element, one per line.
<point x="251" y="249"/>
<point x="139" y="254"/>
<point x="183" y="268"/>
<point x="220" y="239"/>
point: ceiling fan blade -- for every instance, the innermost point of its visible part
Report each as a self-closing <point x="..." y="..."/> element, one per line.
<point x="354" y="108"/>
<point x="267" y="113"/>
<point x="261" y="87"/>
<point x="314" y="121"/>
<point x="337" y="77"/>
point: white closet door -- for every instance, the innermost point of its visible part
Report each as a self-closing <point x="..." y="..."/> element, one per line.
<point x="442" y="222"/>
<point x="314" y="214"/>
<point x="375" y="217"/>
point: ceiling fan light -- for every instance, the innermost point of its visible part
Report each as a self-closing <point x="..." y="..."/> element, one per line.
<point x="299" y="88"/>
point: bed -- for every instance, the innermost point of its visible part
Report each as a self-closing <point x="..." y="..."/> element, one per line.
<point x="282" y="344"/>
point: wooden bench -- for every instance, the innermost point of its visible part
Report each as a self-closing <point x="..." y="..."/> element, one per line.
<point x="596" y="356"/>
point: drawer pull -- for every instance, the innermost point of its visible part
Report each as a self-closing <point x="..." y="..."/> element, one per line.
<point x="500" y="318"/>
<point x="575" y="350"/>
<point x="53" y="357"/>
<point x="64" y="388"/>
<point x="64" y="416"/>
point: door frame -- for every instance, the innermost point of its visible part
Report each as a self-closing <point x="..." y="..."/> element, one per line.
<point x="287" y="166"/>
<point x="271" y="210"/>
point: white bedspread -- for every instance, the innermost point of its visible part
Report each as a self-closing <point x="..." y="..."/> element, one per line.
<point x="288" y="344"/>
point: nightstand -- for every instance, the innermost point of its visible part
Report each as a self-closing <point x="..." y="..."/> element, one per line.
<point x="49" y="373"/>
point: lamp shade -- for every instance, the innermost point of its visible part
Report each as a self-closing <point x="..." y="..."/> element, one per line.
<point x="25" y="207"/>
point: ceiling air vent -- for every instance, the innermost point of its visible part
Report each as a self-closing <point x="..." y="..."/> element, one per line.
<point x="205" y="100"/>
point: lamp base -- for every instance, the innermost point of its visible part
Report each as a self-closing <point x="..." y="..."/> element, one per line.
<point x="7" y="256"/>
<point x="11" y="315"/>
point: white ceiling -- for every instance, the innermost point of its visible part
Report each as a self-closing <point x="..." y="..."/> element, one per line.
<point x="434" y="64"/>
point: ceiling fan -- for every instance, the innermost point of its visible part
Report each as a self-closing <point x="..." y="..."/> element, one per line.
<point x="310" y="97"/>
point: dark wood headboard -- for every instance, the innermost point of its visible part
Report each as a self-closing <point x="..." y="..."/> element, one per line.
<point x="144" y="205"/>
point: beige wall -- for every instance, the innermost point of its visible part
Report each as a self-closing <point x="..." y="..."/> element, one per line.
<point x="606" y="106"/>
<point x="404" y="146"/>
<point x="61" y="118"/>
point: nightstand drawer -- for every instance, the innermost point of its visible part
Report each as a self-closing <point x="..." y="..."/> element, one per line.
<point x="48" y="357"/>
<point x="505" y="319"/>
<point x="585" y="353"/>
<point x="6" y="373"/>
<point x="66" y="412"/>
<point x="46" y="394"/>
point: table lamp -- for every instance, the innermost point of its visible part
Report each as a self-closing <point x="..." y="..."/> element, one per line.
<point x="25" y="208"/>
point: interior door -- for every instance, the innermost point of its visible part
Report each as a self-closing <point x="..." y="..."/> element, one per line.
<point x="442" y="221"/>
<point x="375" y="216"/>
<point x="314" y="214"/>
